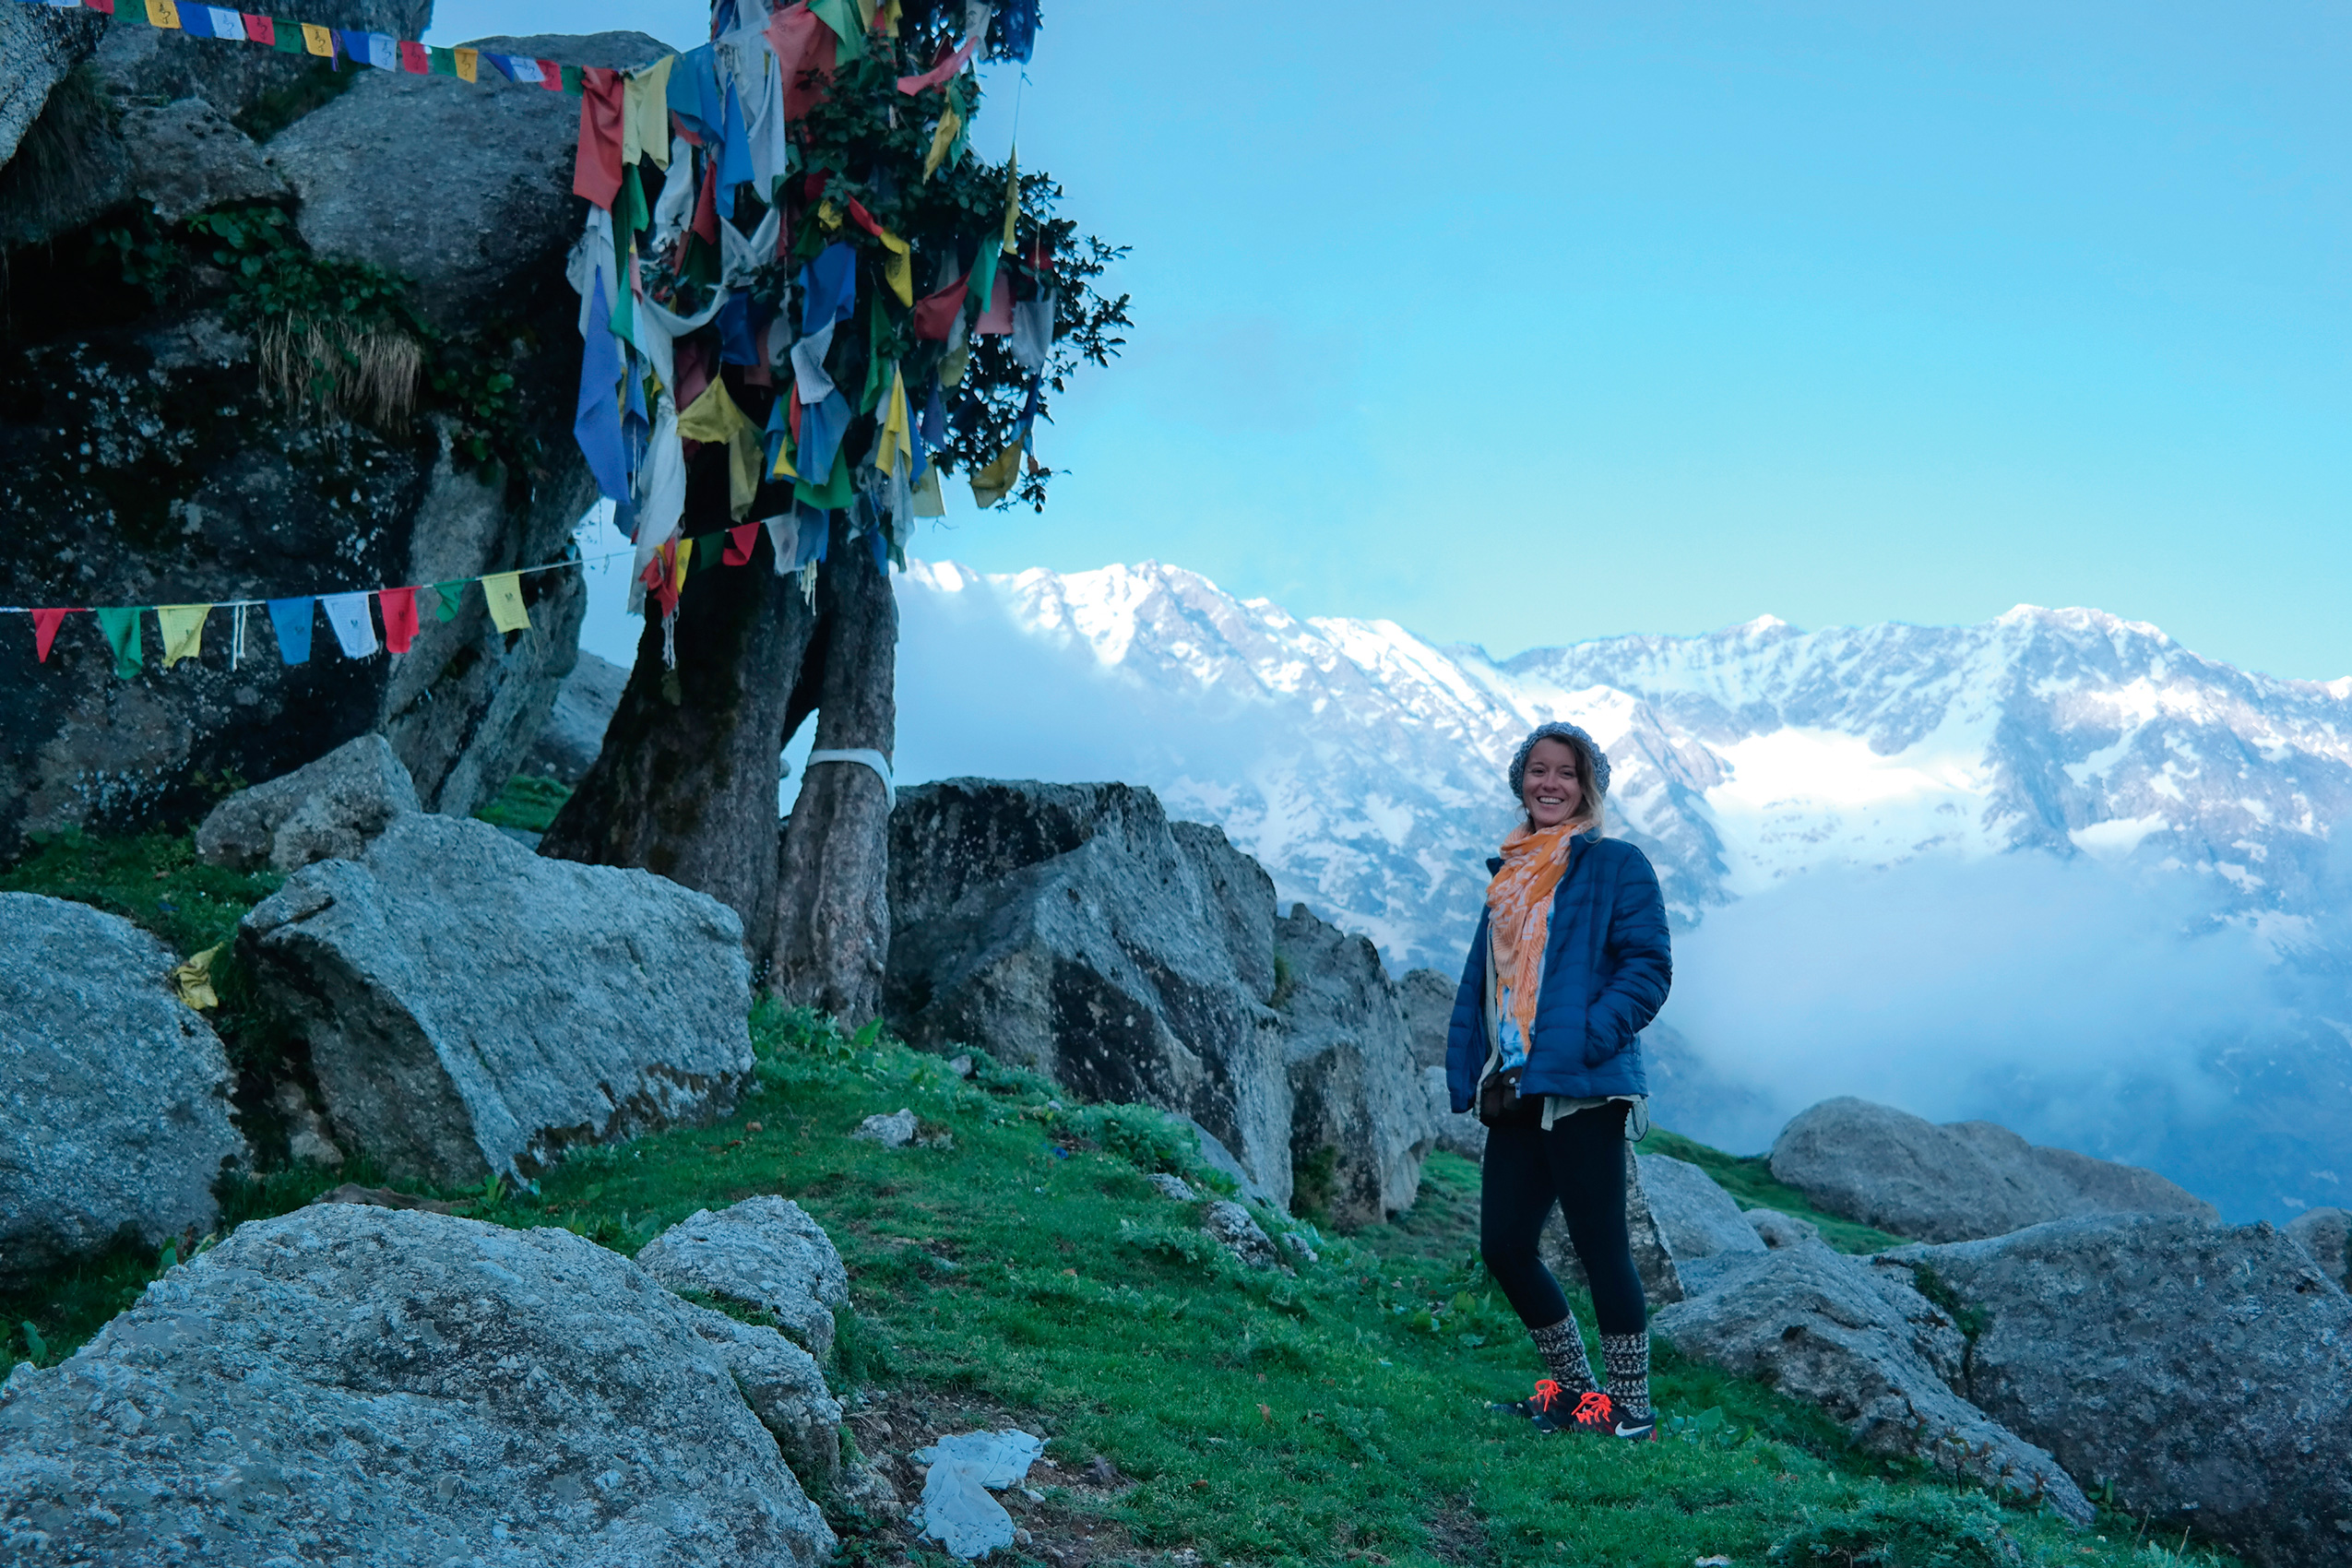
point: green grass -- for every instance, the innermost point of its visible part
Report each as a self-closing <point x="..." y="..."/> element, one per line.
<point x="526" y="803"/>
<point x="154" y="881"/>
<point x="1031" y="1272"/>
<point x="1749" y="1179"/>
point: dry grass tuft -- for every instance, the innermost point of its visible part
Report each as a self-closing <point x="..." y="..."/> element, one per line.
<point x="328" y="371"/>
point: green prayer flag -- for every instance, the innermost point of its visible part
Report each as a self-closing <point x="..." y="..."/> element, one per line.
<point x="448" y="594"/>
<point x="575" y="80"/>
<point x="985" y="275"/>
<point x="122" y="629"/>
<point x="877" y="355"/>
<point x="708" y="548"/>
<point x="848" y="25"/>
<point x="837" y="493"/>
<point x="441" y="62"/>
<point x="635" y="214"/>
<point x="286" y="36"/>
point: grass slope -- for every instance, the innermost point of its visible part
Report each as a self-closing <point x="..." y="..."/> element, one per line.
<point x="1028" y="1272"/>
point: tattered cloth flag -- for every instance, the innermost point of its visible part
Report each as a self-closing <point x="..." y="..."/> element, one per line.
<point x="354" y="627"/>
<point x="451" y="596"/>
<point x="121" y="628"/>
<point x="44" y="630"/>
<point x="182" y="628"/>
<point x="505" y="592"/>
<point x="290" y="618"/>
<point x="399" y="607"/>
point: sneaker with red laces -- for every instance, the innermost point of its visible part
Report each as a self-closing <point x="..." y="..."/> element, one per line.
<point x="1551" y="1410"/>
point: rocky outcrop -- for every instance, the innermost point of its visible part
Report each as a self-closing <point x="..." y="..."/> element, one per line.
<point x="567" y="743"/>
<point x="114" y="1097"/>
<point x="358" y="1384"/>
<point x="37" y="46"/>
<point x="145" y="458"/>
<point x="1426" y="998"/>
<point x="1359" y="1122"/>
<point x="1697" y="1221"/>
<point x="1856" y="1338"/>
<point x="765" y="1253"/>
<point x="473" y="1008"/>
<point x="1887" y="1168"/>
<point x="328" y="810"/>
<point x="2325" y="1233"/>
<point x="1070" y="928"/>
<point x="2205" y="1369"/>
<point x="1073" y="929"/>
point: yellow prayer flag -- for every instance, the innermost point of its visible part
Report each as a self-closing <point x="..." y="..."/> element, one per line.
<point x="1012" y="197"/>
<point x="866" y="11"/>
<point x="994" y="482"/>
<point x="712" y="416"/>
<point x="942" y="139"/>
<point x="162" y="14"/>
<point x="182" y="630"/>
<point x="193" y="980"/>
<point x="784" y="469"/>
<point x="890" y="17"/>
<point x="897" y="267"/>
<point x="320" y="40"/>
<point x="892" y="442"/>
<point x="645" y="113"/>
<point x="828" y="214"/>
<point x="469" y="60"/>
<point x="505" y="592"/>
<point x="678" y="566"/>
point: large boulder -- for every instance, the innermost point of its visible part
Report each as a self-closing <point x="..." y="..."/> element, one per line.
<point x="327" y="810"/>
<point x="357" y="1385"/>
<point x="1697" y="1221"/>
<point x="568" y="743"/>
<point x="144" y="459"/>
<point x="114" y="1097"/>
<point x="1072" y="928"/>
<point x="2323" y="1233"/>
<point x="1359" y="1120"/>
<point x="1964" y="1179"/>
<point x="1426" y="998"/>
<point x="1856" y="1338"/>
<point x="38" y="44"/>
<point x="765" y="1253"/>
<point x="2205" y="1370"/>
<point x="471" y="1008"/>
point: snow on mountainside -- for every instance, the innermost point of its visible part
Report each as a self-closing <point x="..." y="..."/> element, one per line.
<point x="1741" y="757"/>
<point x="2053" y="869"/>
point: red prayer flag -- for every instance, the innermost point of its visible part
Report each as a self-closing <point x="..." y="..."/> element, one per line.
<point x="44" y="630"/>
<point x="660" y="576"/>
<point x="399" y="607"/>
<point x="596" y="173"/>
<point x="804" y="45"/>
<point x="738" y="545"/>
<point x="864" y="219"/>
<point x="998" y="317"/>
<point x="260" y="30"/>
<point x="941" y="72"/>
<point x="105" y="7"/>
<point x="935" y="314"/>
<point x="551" y="76"/>
<point x="705" y="223"/>
<point x="415" y="58"/>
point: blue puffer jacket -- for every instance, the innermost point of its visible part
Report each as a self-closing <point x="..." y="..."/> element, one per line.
<point x="1606" y="969"/>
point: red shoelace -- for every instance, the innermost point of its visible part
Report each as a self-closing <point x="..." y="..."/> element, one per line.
<point x="1593" y="1409"/>
<point x="1547" y="1391"/>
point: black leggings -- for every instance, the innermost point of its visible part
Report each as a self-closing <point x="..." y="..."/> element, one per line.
<point x="1581" y="1164"/>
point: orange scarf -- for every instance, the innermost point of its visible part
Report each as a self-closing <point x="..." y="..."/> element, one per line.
<point x="1518" y="906"/>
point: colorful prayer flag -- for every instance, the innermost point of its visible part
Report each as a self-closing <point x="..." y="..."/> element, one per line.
<point x="162" y="14"/>
<point x="182" y="628"/>
<point x="468" y="63"/>
<point x="399" y="607"/>
<point x="122" y="629"/>
<point x="260" y="30"/>
<point x="354" y="628"/>
<point x="415" y="58"/>
<point x="316" y="40"/>
<point x="452" y="596"/>
<point x="505" y="592"/>
<point x="44" y="630"/>
<point x="290" y="618"/>
<point x="739" y="544"/>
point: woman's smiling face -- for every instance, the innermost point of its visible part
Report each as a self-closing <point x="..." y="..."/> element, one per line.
<point x="1549" y="787"/>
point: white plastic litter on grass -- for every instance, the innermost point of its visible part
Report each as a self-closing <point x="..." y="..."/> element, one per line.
<point x="958" y="1511"/>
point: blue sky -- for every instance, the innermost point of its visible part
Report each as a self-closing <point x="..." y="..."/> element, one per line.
<point x="1524" y="323"/>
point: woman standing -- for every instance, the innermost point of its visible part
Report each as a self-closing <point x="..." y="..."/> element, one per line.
<point x="1570" y="962"/>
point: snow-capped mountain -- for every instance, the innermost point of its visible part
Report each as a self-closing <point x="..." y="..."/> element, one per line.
<point x="2060" y="829"/>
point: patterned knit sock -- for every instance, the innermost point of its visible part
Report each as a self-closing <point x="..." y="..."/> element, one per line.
<point x="1627" y="1358"/>
<point x="1562" y="1349"/>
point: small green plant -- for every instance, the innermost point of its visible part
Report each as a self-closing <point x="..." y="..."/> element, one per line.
<point x="36" y="1348"/>
<point x="528" y="802"/>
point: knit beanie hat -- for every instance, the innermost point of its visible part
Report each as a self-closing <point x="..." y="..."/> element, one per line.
<point x="1575" y="737"/>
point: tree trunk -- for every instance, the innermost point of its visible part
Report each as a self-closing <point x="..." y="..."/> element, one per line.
<point x="686" y="783"/>
<point x="832" y="924"/>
